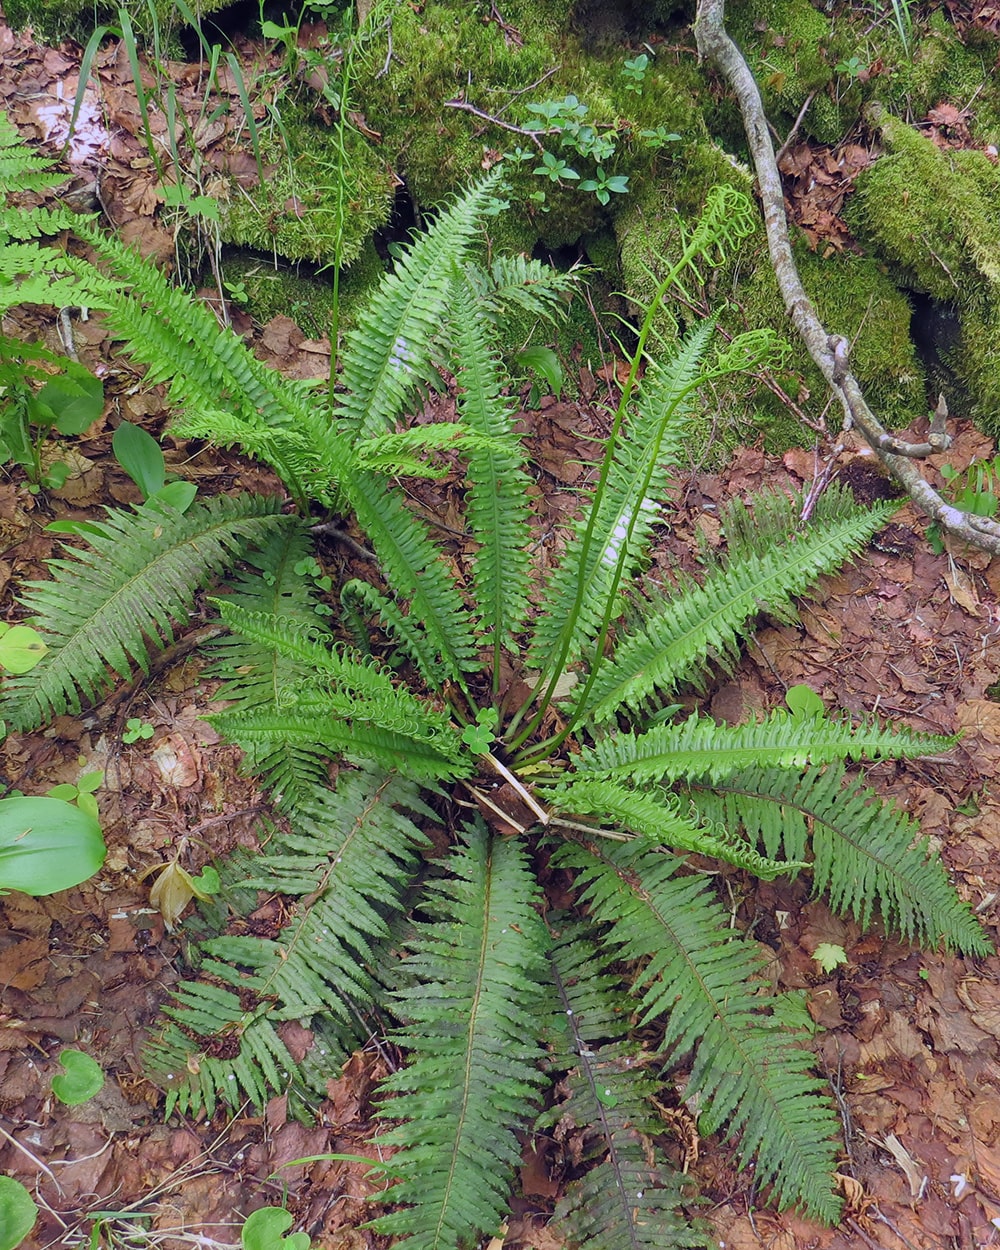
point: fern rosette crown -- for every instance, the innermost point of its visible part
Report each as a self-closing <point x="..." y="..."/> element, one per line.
<point x="404" y="696"/>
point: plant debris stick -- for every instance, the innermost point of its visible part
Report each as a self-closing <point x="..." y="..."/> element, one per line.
<point x="829" y="351"/>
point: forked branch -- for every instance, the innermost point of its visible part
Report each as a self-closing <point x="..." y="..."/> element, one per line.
<point x="829" y="351"/>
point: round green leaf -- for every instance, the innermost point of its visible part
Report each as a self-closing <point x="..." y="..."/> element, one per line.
<point x="804" y="701"/>
<point x="263" y="1228"/>
<point x="21" y="647"/>
<point x="80" y="1079"/>
<point x="18" y="1213"/>
<point x="47" y="845"/>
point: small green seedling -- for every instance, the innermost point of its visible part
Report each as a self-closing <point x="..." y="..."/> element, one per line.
<point x="659" y="138"/>
<point x="634" y="73"/>
<point x="47" y="844"/>
<point x="80" y="1079"/>
<point x="829" y="956"/>
<point x="136" y="728"/>
<point x="479" y="736"/>
<point x="804" y="702"/>
<point x="82" y="793"/>
<point x="603" y="185"/>
<point x="264" y="1227"/>
<point x="18" y="1213"/>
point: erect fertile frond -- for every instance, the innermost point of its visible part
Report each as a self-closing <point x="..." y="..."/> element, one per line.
<point x="612" y="542"/>
<point x="349" y="858"/>
<point x="698" y="748"/>
<point x="865" y="852"/>
<point x="109" y="605"/>
<point x="655" y="816"/>
<point x="697" y="623"/>
<point x="471" y="1024"/>
<point x="702" y="983"/>
<point x="498" y="502"/>
<point x="389" y="352"/>
<point x="629" y="1198"/>
<point x="415" y="568"/>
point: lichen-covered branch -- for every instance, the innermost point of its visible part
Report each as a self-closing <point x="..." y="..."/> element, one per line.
<point x="829" y="351"/>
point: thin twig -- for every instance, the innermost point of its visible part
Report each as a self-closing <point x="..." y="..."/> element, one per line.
<point x="795" y="127"/>
<point x="830" y="352"/>
<point x="34" y="1158"/>
<point x="496" y="121"/>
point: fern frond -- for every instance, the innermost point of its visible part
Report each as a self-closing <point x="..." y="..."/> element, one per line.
<point x="699" y="748"/>
<point x="389" y="353"/>
<point x="361" y="597"/>
<point x="414" y="566"/>
<point x="349" y="858"/>
<point x="519" y="282"/>
<point x="21" y="167"/>
<point x="865" y="852"/>
<point x="108" y="606"/>
<point x="698" y="623"/>
<point x="629" y="1196"/>
<point x="472" y="1021"/>
<point x="654" y="814"/>
<point x="700" y="982"/>
<point x="628" y="509"/>
<point x="497" y="502"/>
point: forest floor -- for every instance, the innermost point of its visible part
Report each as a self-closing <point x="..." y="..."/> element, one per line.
<point x="910" y="1041"/>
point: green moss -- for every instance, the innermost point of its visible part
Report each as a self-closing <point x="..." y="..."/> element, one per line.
<point x="293" y="212"/>
<point x="54" y="20"/>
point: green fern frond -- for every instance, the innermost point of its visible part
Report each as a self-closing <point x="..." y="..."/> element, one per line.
<point x="401" y="455"/>
<point x="35" y="223"/>
<point x="518" y="282"/>
<point x="31" y="273"/>
<point x="389" y="353"/>
<point x="416" y="569"/>
<point x="359" y="597"/>
<point x="349" y="859"/>
<point x="699" y="748"/>
<point x="108" y="606"/>
<point x="865" y="853"/>
<point x="497" y="502"/>
<point x="629" y="1196"/>
<point x="701" y="982"/>
<point x="654" y="814"/>
<point x="614" y="540"/>
<point x="21" y="167"/>
<point x="707" y="622"/>
<point x="471" y="1024"/>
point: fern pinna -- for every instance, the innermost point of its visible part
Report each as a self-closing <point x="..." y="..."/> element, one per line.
<point x="506" y="1012"/>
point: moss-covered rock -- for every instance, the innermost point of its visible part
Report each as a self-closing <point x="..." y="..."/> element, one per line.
<point x="934" y="216"/>
<point x="54" y="20"/>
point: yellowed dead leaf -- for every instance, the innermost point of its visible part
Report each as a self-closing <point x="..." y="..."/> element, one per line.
<point x="961" y="588"/>
<point x="171" y="892"/>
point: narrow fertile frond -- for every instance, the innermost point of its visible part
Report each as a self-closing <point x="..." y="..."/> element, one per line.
<point x="654" y="814"/>
<point x="577" y="599"/>
<point x="498" y="501"/>
<point x="700" y="981"/>
<point x="629" y="1198"/>
<point x="699" y="623"/>
<point x="108" y="606"/>
<point x="699" y="748"/>
<point x="389" y="353"/>
<point x="348" y="859"/>
<point x="416" y="570"/>
<point x="472" y="1020"/>
<point x="865" y="853"/>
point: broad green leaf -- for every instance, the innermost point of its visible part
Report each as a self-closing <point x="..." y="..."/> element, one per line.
<point x="21" y="647"/>
<point x="46" y="845"/>
<point x="803" y="701"/>
<point x="71" y="402"/>
<point x="264" y="1227"/>
<point x="18" y="1213"/>
<point x="80" y="1079"/>
<point x="139" y="454"/>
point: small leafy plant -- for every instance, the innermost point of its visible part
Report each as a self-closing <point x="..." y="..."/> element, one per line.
<point x="80" y="1080"/>
<point x="526" y="709"/>
<point x="136" y="729"/>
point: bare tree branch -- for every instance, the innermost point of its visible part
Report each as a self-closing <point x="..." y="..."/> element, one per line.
<point x="830" y="352"/>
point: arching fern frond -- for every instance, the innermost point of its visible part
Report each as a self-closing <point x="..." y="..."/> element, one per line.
<point x="654" y="814"/>
<point x="348" y="859"/>
<point x="865" y="853"/>
<point x="699" y="748"/>
<point x="360" y="597"/>
<point x="699" y="623"/>
<point x="700" y="982"/>
<point x="389" y="352"/>
<point x="109" y="605"/>
<point x="471" y="1024"/>
<point x="629" y="1197"/>
<point x="517" y="282"/>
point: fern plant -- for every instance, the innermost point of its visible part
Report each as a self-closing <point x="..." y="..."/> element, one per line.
<point x="506" y="1011"/>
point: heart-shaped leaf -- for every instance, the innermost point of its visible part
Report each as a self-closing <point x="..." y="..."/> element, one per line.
<point x="80" y="1079"/>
